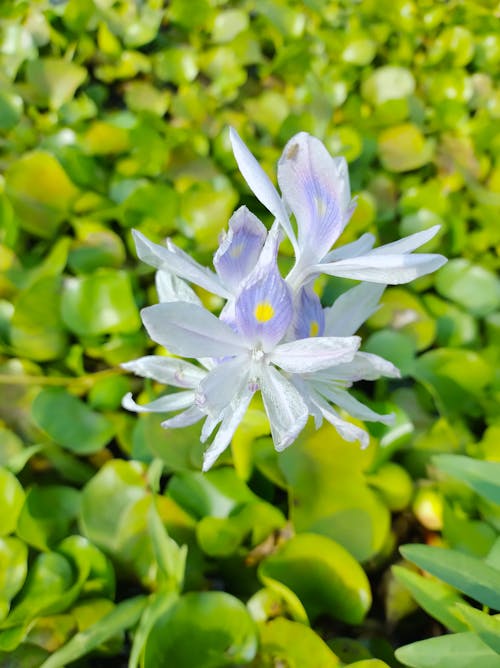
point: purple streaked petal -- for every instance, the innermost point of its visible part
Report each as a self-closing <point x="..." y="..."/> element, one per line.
<point x="359" y="247"/>
<point x="260" y="183"/>
<point x="190" y="331"/>
<point x="314" y="354"/>
<point x="315" y="187"/>
<point x="352" y="308"/>
<point x="185" y="419"/>
<point x="389" y="269"/>
<point x="177" y="262"/>
<point x="309" y="319"/>
<point x="239" y="251"/>
<point x="263" y="311"/>
<point x="166" y="370"/>
<point x="219" y="387"/>
<point x="232" y="418"/>
<point x="171" y="288"/>
<point x="169" y="402"/>
<point x="407" y="244"/>
<point x="285" y="408"/>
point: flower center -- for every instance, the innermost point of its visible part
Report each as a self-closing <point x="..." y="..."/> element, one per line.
<point x="263" y="312"/>
<point x="314" y="328"/>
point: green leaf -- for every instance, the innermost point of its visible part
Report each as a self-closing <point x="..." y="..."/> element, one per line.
<point x="287" y="643"/>
<point x="469" y="285"/>
<point x="403" y="148"/>
<point x="54" y="80"/>
<point x="456" y="376"/>
<point x="107" y="498"/>
<point x="203" y="629"/>
<point x="49" y="582"/>
<point x="460" y="650"/>
<point x="40" y="191"/>
<point x="100" y="303"/>
<point x="335" y="584"/>
<point x="222" y="536"/>
<point x="12" y="499"/>
<point x="47" y="515"/>
<point x="482" y="476"/>
<point x="214" y="494"/>
<point x="397" y="347"/>
<point x="122" y="617"/>
<point x="158" y="604"/>
<point x="388" y="83"/>
<point x="170" y="557"/>
<point x="486" y="626"/>
<point x="472" y="576"/>
<point x="329" y="493"/>
<point x="13" y="567"/>
<point x="36" y="330"/>
<point x="70" y="422"/>
<point x="436" y="598"/>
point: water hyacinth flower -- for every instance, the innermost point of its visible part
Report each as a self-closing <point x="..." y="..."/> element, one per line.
<point x="272" y="335"/>
<point x="248" y="355"/>
<point x="315" y="188"/>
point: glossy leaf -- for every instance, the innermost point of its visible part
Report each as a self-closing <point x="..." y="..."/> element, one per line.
<point x="205" y="629"/>
<point x="336" y="585"/>
<point x="460" y="650"/>
<point x="284" y="640"/>
<point x="482" y="476"/>
<point x="468" y="574"/>
<point x="70" y="422"/>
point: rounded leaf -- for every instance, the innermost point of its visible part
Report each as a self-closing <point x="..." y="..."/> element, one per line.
<point x="335" y="584"/>
<point x="204" y="629"/>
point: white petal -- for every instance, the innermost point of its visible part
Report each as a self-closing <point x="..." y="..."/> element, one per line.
<point x="313" y="354"/>
<point x="228" y="426"/>
<point x="166" y="370"/>
<point x="347" y="430"/>
<point x="177" y="262"/>
<point x="260" y="183"/>
<point x="359" y="247"/>
<point x="190" y="330"/>
<point x="171" y="288"/>
<point x="352" y="308"/>
<point x="219" y="387"/>
<point x="363" y="366"/>
<point x="170" y="402"/>
<point x="285" y="408"/>
<point x="184" y="419"/>
<point x="390" y="269"/>
<point x="354" y="407"/>
<point x="407" y="244"/>
<point x="208" y="427"/>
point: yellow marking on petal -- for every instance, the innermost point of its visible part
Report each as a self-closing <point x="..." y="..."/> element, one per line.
<point x="263" y="312"/>
<point x="314" y="328"/>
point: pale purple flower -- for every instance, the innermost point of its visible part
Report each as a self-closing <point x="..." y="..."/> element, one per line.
<point x="315" y="188"/>
<point x="249" y="355"/>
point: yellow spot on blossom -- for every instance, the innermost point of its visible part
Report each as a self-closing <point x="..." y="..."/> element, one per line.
<point x="314" y="328"/>
<point x="263" y="312"/>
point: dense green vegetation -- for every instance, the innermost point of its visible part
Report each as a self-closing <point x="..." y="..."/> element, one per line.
<point x="113" y="116"/>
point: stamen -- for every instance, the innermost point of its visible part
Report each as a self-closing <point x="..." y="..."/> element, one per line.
<point x="263" y="312"/>
<point x="314" y="328"/>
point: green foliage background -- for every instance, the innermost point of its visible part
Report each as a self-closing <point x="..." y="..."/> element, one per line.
<point x="113" y="115"/>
